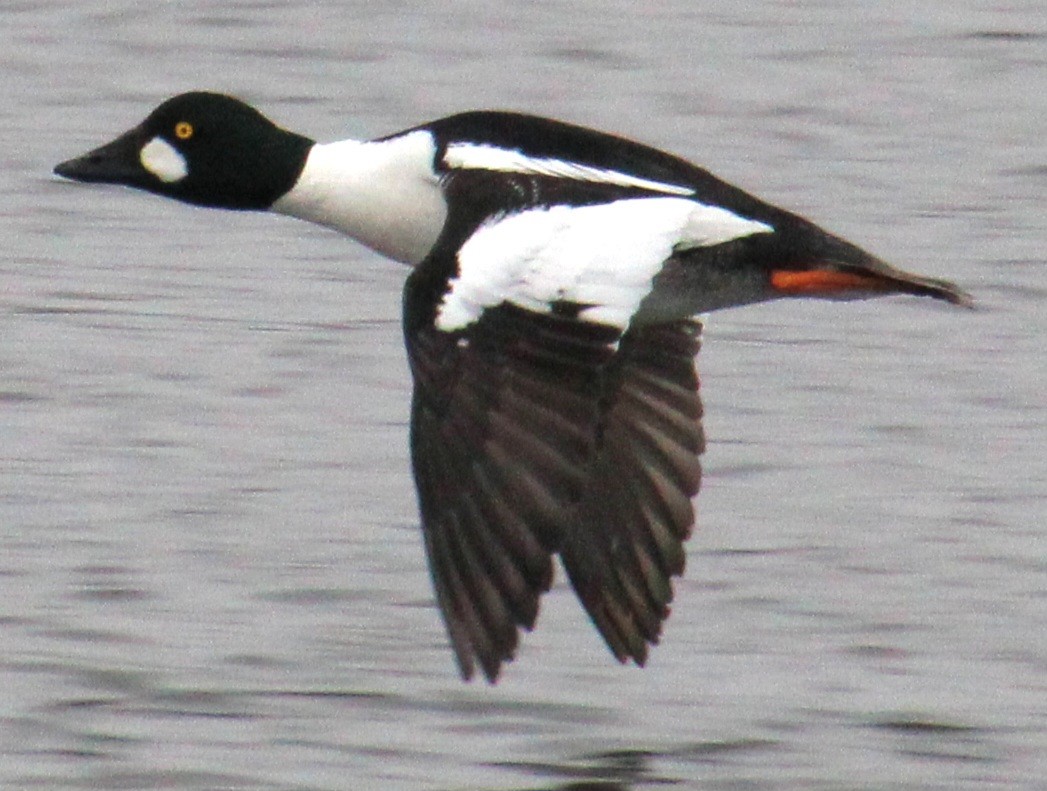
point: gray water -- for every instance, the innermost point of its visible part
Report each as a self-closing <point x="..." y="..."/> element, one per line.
<point x="210" y="569"/>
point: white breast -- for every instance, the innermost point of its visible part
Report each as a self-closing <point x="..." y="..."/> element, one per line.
<point x="384" y="194"/>
<point x="604" y="256"/>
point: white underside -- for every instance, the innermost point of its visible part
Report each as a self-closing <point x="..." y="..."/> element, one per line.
<point x="605" y="256"/>
<point x="383" y="194"/>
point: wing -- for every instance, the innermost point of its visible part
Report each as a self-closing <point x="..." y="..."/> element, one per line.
<point x="523" y="144"/>
<point x="624" y="537"/>
<point x="503" y="427"/>
<point x="533" y="433"/>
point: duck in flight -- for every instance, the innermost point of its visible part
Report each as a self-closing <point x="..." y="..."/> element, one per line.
<point x="549" y="319"/>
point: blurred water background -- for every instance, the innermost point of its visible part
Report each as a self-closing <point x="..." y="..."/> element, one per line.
<point x="211" y="575"/>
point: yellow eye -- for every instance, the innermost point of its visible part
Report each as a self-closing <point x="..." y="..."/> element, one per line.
<point x="183" y="130"/>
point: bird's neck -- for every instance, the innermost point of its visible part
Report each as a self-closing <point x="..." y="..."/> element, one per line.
<point x="385" y="193"/>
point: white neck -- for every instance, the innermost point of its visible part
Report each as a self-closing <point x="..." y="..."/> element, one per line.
<point x="384" y="194"/>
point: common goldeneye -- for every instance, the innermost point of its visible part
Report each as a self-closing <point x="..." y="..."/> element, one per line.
<point x="549" y="318"/>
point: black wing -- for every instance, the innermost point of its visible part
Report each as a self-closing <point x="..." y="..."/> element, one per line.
<point x="547" y="138"/>
<point x="624" y="539"/>
<point x="536" y="433"/>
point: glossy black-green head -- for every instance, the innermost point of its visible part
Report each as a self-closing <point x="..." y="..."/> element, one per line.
<point x="202" y="148"/>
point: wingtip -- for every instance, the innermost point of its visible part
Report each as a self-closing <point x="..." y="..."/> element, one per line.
<point x="489" y="666"/>
<point x="492" y="672"/>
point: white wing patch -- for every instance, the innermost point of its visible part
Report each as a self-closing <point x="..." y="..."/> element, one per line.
<point x="604" y="256"/>
<point x="475" y="156"/>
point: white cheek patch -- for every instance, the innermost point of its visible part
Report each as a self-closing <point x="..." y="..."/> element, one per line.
<point x="163" y="160"/>
<point x="603" y="256"/>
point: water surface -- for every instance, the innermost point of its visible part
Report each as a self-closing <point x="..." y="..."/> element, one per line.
<point x="210" y="569"/>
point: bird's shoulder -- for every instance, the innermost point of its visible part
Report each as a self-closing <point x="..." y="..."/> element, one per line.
<point x="509" y="142"/>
